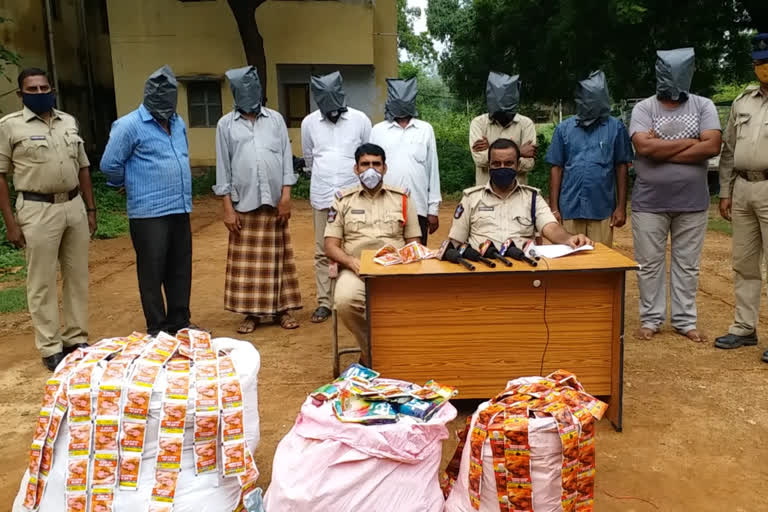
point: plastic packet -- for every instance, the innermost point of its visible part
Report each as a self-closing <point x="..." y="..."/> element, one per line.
<point x="76" y="502"/>
<point x="206" y="456"/>
<point x="164" y="489"/>
<point x="108" y="400"/>
<point x="102" y="500"/>
<point x="132" y="436"/>
<point x="206" y="426"/>
<point x="106" y="435"/>
<point x="169" y="452"/>
<point x="233" y="455"/>
<point x="231" y="394"/>
<point x="358" y="370"/>
<point x="104" y="470"/>
<point x="80" y="438"/>
<point x="77" y="474"/>
<point x="173" y="417"/>
<point x="137" y="403"/>
<point x="145" y="373"/>
<point x="130" y="464"/>
<point x="232" y="424"/>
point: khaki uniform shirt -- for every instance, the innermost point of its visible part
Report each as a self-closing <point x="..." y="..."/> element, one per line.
<point x="43" y="158"/>
<point x="483" y="215"/>
<point x="745" y="138"/>
<point x="364" y="221"/>
<point x="520" y="131"/>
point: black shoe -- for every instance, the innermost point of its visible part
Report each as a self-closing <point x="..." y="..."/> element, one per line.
<point x="765" y="356"/>
<point x="70" y="349"/>
<point x="733" y="341"/>
<point x="51" y="362"/>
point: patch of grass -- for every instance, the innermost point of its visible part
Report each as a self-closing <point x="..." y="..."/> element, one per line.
<point x="202" y="184"/>
<point x="301" y="189"/>
<point x="13" y="300"/>
<point x="717" y="223"/>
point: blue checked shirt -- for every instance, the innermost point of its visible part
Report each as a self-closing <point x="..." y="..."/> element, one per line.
<point x="152" y="165"/>
<point x="589" y="157"/>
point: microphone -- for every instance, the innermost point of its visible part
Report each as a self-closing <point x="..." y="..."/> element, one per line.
<point x="515" y="253"/>
<point x="489" y="250"/>
<point x="466" y="251"/>
<point x="448" y="253"/>
<point x="530" y="250"/>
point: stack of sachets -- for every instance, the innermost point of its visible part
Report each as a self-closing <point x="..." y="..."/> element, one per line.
<point x="360" y="395"/>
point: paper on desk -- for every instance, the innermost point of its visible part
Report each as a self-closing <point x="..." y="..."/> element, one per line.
<point x="558" y="250"/>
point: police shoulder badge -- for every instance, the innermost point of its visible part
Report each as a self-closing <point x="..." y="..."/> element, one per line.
<point x="459" y="211"/>
<point x="332" y="215"/>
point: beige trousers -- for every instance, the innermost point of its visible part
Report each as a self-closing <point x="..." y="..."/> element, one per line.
<point x="598" y="230"/>
<point x="56" y="233"/>
<point x="322" y="281"/>
<point x="750" y="242"/>
<point x="349" y="302"/>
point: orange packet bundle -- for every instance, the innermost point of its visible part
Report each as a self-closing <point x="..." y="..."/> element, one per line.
<point x="205" y="456"/>
<point x="105" y="438"/>
<point x="410" y="253"/>
<point x="173" y="417"/>
<point x="77" y="474"/>
<point x="80" y="438"/>
<point x="92" y="357"/>
<point x="233" y="454"/>
<point x="51" y="389"/>
<point x="102" y="500"/>
<point x="132" y="436"/>
<point x="137" y="403"/>
<point x="248" y="479"/>
<point x="232" y="425"/>
<point x="177" y="385"/>
<point x="81" y="377"/>
<point x="79" y="405"/>
<point x="114" y="372"/>
<point x="169" y="452"/>
<point x="206" y="426"/>
<point x="77" y="502"/>
<point x="231" y="394"/>
<point x="165" y="485"/>
<point x="41" y="426"/>
<point x="46" y="459"/>
<point x="56" y="417"/>
<point x="207" y="399"/>
<point x="30" y="493"/>
<point x="206" y="370"/>
<point x="104" y="470"/>
<point x="108" y="401"/>
<point x="130" y="465"/>
<point x="35" y="456"/>
<point x="185" y="345"/>
<point x="145" y="373"/>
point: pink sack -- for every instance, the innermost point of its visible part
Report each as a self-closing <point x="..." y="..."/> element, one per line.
<point x="323" y="464"/>
<point x="546" y="465"/>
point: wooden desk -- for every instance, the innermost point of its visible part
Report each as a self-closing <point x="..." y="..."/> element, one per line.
<point x="478" y="330"/>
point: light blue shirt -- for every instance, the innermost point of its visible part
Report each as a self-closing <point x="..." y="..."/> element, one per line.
<point x="589" y="157"/>
<point x="253" y="159"/>
<point x="151" y="164"/>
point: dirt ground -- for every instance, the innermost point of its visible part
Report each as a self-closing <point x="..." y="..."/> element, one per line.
<point x="696" y="424"/>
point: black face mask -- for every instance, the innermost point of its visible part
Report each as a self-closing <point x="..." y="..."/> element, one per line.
<point x="334" y="116"/>
<point x="503" y="118"/>
<point x="503" y="177"/>
<point x="39" y="103"/>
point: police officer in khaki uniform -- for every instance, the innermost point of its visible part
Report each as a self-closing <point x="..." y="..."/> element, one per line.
<point x="55" y="213"/>
<point x="505" y="209"/>
<point x="744" y="198"/>
<point x="368" y="216"/>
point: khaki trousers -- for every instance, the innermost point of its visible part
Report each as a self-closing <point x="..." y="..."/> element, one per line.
<point x="349" y="302"/>
<point x="56" y="233"/>
<point x="322" y="281"/>
<point x="750" y="241"/>
<point x="597" y="230"/>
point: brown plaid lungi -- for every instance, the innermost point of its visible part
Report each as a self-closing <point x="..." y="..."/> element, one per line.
<point x="261" y="275"/>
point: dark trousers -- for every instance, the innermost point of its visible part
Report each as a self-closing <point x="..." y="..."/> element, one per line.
<point x="424" y="225"/>
<point x="163" y="248"/>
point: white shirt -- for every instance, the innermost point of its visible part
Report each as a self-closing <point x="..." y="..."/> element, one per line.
<point x="411" y="161"/>
<point x="329" y="150"/>
<point x="253" y="159"/>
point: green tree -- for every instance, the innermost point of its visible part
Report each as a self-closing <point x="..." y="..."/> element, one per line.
<point x="7" y="57"/>
<point x="418" y="46"/>
<point x="553" y="44"/>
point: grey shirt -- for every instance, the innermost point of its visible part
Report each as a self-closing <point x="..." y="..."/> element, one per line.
<point x="253" y="159"/>
<point x="669" y="187"/>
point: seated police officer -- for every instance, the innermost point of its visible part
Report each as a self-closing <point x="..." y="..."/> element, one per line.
<point x="504" y="209"/>
<point x="367" y="216"/>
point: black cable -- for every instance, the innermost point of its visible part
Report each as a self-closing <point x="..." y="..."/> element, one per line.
<point x="546" y="323"/>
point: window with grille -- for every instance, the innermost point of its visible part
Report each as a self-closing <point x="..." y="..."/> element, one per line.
<point x="204" y="100"/>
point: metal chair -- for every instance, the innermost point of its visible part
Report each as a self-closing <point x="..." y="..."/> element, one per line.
<point x="333" y="273"/>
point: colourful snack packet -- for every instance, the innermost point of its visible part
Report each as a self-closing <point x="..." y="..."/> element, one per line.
<point x="177" y="386"/>
<point x="104" y="470"/>
<point x="231" y="394"/>
<point x="79" y="405"/>
<point x="206" y="426"/>
<point x="226" y="367"/>
<point x="233" y="454"/>
<point x="200" y="340"/>
<point x="77" y="474"/>
<point x="105" y="439"/>
<point x="232" y="424"/>
<point x="137" y="403"/>
<point x="169" y="452"/>
<point x="325" y="392"/>
<point x="35" y="456"/>
<point x="108" y="401"/>
<point x="102" y="500"/>
<point x="173" y="418"/>
<point x="165" y="485"/>
<point x="145" y="373"/>
<point x="76" y="502"/>
<point x="358" y="370"/>
<point x="129" y="470"/>
<point x="41" y="426"/>
<point x="205" y="370"/>
<point x="46" y="459"/>
<point x="207" y="396"/>
<point x="205" y="456"/>
<point x="132" y="437"/>
<point x="80" y="439"/>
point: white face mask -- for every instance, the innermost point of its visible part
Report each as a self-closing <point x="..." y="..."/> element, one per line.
<point x="370" y="178"/>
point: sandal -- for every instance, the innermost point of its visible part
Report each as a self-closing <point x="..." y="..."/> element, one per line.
<point x="249" y="324"/>
<point x="321" y="314"/>
<point x="287" y="321"/>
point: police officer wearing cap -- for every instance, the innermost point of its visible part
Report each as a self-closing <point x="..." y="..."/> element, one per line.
<point x="744" y="198"/>
<point x="55" y="213"/>
<point x="504" y="208"/>
<point x="367" y="216"/>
